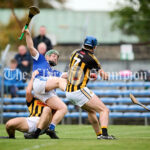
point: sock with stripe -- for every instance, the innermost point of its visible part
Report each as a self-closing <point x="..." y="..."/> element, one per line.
<point x="104" y="131"/>
<point x="99" y="133"/>
<point x="52" y="126"/>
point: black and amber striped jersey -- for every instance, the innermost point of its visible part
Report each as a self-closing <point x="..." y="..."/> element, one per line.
<point x="35" y="107"/>
<point x="81" y="62"/>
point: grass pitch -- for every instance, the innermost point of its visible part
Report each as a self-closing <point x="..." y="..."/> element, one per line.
<point x="82" y="137"/>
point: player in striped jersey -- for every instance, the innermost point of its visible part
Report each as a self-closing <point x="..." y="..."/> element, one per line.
<point x="40" y="115"/>
<point x="82" y="62"/>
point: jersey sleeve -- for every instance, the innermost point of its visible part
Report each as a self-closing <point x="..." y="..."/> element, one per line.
<point x="36" y="57"/>
<point x="72" y="56"/>
<point x="95" y="63"/>
<point x="57" y="73"/>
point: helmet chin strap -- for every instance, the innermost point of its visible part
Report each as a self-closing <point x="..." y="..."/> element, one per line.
<point x="52" y="63"/>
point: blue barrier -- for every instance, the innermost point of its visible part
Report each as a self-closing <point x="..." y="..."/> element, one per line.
<point x="84" y="115"/>
<point x="72" y="107"/>
<point x="111" y="115"/>
<point x="104" y="92"/>
<point x="17" y="84"/>
<point x="25" y="108"/>
<point x="14" y="114"/>
<point x="110" y="100"/>
<point x="116" y="115"/>
<point x="15" y="100"/>
<point x="132" y="115"/>
<point x="21" y="92"/>
<point x="117" y="84"/>
<point x="15" y="107"/>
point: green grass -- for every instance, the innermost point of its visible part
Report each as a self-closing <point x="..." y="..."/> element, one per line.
<point x="82" y="137"/>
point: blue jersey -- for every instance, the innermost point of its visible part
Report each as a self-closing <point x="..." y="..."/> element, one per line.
<point x="44" y="68"/>
<point x="56" y="73"/>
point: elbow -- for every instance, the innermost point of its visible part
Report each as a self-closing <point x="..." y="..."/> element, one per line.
<point x="64" y="75"/>
<point x="30" y="47"/>
<point x="28" y="92"/>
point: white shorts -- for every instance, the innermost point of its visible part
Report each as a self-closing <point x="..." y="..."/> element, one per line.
<point x="32" y="123"/>
<point x="80" y="97"/>
<point x="39" y="85"/>
<point x="39" y="89"/>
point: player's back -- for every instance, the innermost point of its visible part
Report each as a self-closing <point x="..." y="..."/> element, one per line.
<point x="35" y="107"/>
<point x="81" y="62"/>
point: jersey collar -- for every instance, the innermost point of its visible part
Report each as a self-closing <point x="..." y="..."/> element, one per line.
<point x="87" y="51"/>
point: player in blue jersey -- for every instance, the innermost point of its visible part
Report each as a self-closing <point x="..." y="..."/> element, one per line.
<point x="45" y="82"/>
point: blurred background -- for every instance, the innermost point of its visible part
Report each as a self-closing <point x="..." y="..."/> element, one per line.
<point x="122" y="30"/>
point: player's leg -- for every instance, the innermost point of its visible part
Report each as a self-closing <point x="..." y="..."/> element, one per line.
<point x="43" y="122"/>
<point x="45" y="118"/>
<point x="94" y="121"/>
<point x="60" y="108"/>
<point x="55" y="82"/>
<point x="19" y="124"/>
<point x="43" y="86"/>
<point x="97" y="105"/>
<point x="87" y="100"/>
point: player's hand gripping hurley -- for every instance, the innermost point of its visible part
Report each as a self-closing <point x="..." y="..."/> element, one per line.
<point x="32" y="12"/>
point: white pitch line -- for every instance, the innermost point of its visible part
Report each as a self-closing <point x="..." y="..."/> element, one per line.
<point x="38" y="146"/>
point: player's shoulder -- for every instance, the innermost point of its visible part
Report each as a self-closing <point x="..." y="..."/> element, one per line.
<point x="92" y="55"/>
<point x="38" y="57"/>
<point x="75" y="51"/>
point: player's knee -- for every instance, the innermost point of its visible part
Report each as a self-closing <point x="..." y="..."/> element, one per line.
<point x="47" y="110"/>
<point x="92" y="118"/>
<point x="64" y="109"/>
<point x="9" y="124"/>
<point x="106" y="110"/>
<point x="93" y="121"/>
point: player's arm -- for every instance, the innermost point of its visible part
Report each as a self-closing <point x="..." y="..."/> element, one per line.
<point x="29" y="42"/>
<point x="97" y="65"/>
<point x="64" y="75"/>
<point x="103" y="74"/>
<point x="29" y="95"/>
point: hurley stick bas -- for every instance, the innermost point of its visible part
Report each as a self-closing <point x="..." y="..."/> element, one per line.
<point x="135" y="101"/>
<point x="32" y="12"/>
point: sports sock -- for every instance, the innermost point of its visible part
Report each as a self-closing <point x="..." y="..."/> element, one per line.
<point x="37" y="132"/>
<point x="99" y="133"/>
<point x="11" y="136"/>
<point x="104" y="131"/>
<point x="52" y="126"/>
